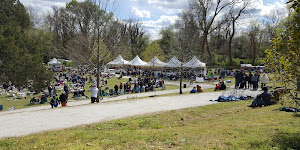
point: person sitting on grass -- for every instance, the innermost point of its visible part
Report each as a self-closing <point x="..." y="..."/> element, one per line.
<point x="221" y="86"/>
<point x="262" y="99"/>
<point x="199" y="89"/>
<point x="43" y="99"/>
<point x="34" y="101"/>
<point x="194" y="90"/>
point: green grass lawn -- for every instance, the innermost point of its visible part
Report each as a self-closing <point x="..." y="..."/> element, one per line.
<point x="229" y="125"/>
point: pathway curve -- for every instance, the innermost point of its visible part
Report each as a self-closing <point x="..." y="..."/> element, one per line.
<point x="38" y="120"/>
<point x="106" y="99"/>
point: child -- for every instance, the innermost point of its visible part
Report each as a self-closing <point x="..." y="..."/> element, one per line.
<point x="53" y="102"/>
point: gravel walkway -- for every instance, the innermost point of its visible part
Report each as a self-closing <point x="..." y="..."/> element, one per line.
<point x="32" y="120"/>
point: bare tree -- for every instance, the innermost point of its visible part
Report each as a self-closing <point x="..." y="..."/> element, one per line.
<point x="254" y="38"/>
<point x="182" y="44"/>
<point x="206" y="12"/>
<point x="271" y="21"/>
<point x="86" y="32"/>
<point x="237" y="9"/>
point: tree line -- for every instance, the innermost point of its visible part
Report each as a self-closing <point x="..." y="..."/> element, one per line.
<point x="88" y="34"/>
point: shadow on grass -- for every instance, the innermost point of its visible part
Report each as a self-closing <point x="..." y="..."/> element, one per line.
<point x="296" y="115"/>
<point x="287" y="141"/>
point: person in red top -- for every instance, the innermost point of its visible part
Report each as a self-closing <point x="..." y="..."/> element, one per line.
<point x="221" y="86"/>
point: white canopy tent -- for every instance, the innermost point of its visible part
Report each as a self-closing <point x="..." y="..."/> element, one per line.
<point x="119" y="61"/>
<point x="137" y="62"/>
<point x="195" y="63"/>
<point x="246" y="65"/>
<point x="173" y="63"/>
<point x="54" y="62"/>
<point x="155" y="62"/>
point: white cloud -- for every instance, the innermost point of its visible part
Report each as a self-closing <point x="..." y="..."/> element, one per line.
<point x="263" y="10"/>
<point x="259" y="11"/>
<point x="169" y="11"/>
<point x="140" y="13"/>
<point x="161" y="13"/>
<point x="153" y="27"/>
<point x="175" y="4"/>
<point x="44" y="5"/>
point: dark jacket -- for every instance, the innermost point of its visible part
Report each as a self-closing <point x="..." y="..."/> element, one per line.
<point x="222" y="87"/>
<point x="265" y="96"/>
<point x="116" y="88"/>
<point x="63" y="98"/>
<point x="240" y="76"/>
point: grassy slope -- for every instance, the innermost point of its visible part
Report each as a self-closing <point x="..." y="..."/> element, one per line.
<point x="220" y="126"/>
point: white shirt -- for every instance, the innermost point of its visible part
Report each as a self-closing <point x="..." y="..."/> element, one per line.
<point x="94" y="91"/>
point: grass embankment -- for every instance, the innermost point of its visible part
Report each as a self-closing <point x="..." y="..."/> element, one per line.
<point x="219" y="126"/>
<point x="24" y="103"/>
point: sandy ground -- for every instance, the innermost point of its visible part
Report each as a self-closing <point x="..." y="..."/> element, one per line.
<point x="37" y="119"/>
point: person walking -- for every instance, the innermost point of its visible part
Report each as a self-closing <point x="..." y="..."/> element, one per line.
<point x="94" y="93"/>
<point x="116" y="89"/>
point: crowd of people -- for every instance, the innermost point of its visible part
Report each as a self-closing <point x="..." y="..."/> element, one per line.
<point x="139" y="85"/>
<point x="146" y="81"/>
<point x="246" y="81"/>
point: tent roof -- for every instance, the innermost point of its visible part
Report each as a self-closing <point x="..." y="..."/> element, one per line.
<point x="54" y="61"/>
<point x="194" y="63"/>
<point x="246" y="65"/>
<point x="155" y="62"/>
<point x="137" y="62"/>
<point x="119" y="61"/>
<point x="173" y="63"/>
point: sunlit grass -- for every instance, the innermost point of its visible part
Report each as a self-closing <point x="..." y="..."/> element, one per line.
<point x="229" y="125"/>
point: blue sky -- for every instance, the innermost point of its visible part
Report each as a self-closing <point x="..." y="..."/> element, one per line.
<point x="158" y="14"/>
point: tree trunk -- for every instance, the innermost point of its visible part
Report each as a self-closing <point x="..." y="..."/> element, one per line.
<point x="181" y="70"/>
<point x="205" y="46"/>
<point x="230" y="51"/>
<point x="254" y="53"/>
<point x="98" y="63"/>
<point x="208" y="50"/>
<point x="253" y="44"/>
<point x="230" y="43"/>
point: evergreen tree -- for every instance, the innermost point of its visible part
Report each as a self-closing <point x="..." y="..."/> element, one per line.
<point x="22" y="48"/>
